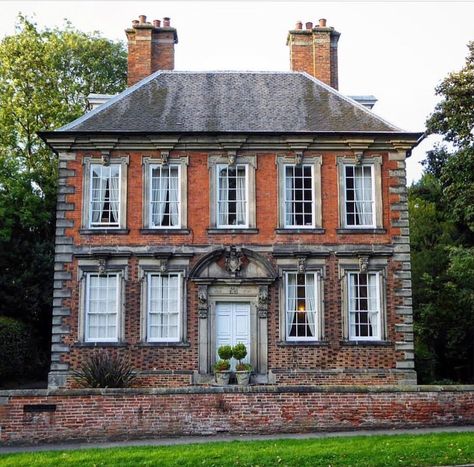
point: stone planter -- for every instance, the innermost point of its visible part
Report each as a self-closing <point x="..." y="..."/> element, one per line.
<point x="222" y="378"/>
<point x="243" y="377"/>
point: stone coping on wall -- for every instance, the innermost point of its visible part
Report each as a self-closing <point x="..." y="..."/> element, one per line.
<point x="232" y="389"/>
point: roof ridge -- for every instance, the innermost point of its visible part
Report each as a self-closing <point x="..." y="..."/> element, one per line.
<point x="350" y="101"/>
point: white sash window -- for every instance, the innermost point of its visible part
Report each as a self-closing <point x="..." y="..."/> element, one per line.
<point x="302" y="306"/>
<point x="165" y="196"/>
<point x="102" y="307"/>
<point x="359" y="195"/>
<point x="299" y="197"/>
<point x="364" y="306"/>
<point x="164" y="307"/>
<point x="232" y="196"/>
<point x="105" y="195"/>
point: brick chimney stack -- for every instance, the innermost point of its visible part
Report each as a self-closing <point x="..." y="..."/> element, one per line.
<point x="150" y="48"/>
<point x="314" y="50"/>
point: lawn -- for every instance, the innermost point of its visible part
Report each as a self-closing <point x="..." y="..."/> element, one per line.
<point x="399" y="450"/>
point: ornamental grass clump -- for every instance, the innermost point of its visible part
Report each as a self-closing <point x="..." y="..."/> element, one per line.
<point x="105" y="370"/>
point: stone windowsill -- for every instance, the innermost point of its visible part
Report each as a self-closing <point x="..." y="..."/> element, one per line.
<point x="366" y="343"/>
<point x="302" y="343"/>
<point x="164" y="344"/>
<point x="104" y="231"/>
<point x="300" y="231"/>
<point x="361" y="231"/>
<point x="165" y="231"/>
<point x="101" y="344"/>
<point x="244" y="231"/>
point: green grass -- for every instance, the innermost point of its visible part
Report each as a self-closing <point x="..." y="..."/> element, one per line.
<point x="399" y="450"/>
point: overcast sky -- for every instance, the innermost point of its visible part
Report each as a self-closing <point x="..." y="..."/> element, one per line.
<point x="398" y="51"/>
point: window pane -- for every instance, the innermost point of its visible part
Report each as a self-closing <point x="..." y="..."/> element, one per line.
<point x="165" y="206"/>
<point x="164" y="306"/>
<point x="105" y="195"/>
<point x="359" y="202"/>
<point x="364" y="308"/>
<point x="232" y="196"/>
<point x="301" y="306"/>
<point x="102" y="307"/>
<point x="298" y="197"/>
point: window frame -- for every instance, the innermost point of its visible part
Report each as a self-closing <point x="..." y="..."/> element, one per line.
<point x="86" y="223"/>
<point x="219" y="167"/>
<point x="154" y="165"/>
<point x="315" y="160"/>
<point x="313" y="201"/>
<point x="317" y="313"/>
<point x="250" y="161"/>
<point x="148" y="275"/>
<point x="373" y="224"/>
<point x="86" y="310"/>
<point x="378" y="336"/>
<point x="101" y="225"/>
<point x="180" y="161"/>
<point x="375" y="161"/>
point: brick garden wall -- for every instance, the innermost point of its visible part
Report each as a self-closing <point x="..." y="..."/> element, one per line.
<point x="38" y="416"/>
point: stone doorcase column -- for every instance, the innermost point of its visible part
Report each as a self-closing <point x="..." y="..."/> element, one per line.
<point x="233" y="275"/>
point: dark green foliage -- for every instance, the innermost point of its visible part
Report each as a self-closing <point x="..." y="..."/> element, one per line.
<point x="222" y="365"/>
<point x="225" y="352"/>
<point x="239" y="352"/>
<point x="45" y="77"/>
<point x="442" y="238"/>
<point x="16" y="349"/>
<point x="105" y="370"/>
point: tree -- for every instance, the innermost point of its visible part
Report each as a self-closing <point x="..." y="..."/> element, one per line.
<point x="442" y="236"/>
<point x="45" y="78"/>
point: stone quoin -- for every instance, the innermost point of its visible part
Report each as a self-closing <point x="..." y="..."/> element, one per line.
<point x="197" y="209"/>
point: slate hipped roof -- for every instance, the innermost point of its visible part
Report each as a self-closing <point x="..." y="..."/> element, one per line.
<point x="227" y="102"/>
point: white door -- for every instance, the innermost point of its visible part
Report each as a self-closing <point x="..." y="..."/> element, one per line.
<point x="233" y="326"/>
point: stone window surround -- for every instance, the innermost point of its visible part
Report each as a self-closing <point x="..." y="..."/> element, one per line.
<point x="94" y="265"/>
<point x="359" y="158"/>
<point x="165" y="265"/>
<point x="213" y="161"/>
<point x="315" y="161"/>
<point x="180" y="161"/>
<point x="292" y="264"/>
<point x="374" y="265"/>
<point x="87" y="161"/>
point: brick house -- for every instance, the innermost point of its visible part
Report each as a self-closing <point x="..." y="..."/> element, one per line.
<point x="203" y="208"/>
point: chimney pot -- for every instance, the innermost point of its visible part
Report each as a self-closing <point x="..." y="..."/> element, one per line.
<point x="322" y="23"/>
<point x="166" y="22"/>
<point x="156" y="23"/>
<point x="309" y="25"/>
<point x="299" y="25"/>
<point x="142" y="19"/>
<point x="135" y="22"/>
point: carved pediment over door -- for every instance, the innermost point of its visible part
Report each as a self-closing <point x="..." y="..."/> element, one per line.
<point x="233" y="263"/>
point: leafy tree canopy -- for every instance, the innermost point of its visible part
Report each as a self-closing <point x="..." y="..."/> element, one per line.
<point x="441" y="208"/>
<point x="45" y="78"/>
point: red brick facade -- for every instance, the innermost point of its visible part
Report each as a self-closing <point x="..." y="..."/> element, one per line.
<point x="29" y="417"/>
<point x="264" y="251"/>
<point x="335" y="361"/>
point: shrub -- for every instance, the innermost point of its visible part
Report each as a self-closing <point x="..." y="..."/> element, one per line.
<point x="243" y="367"/>
<point x="105" y="370"/>
<point x="225" y="352"/>
<point x="239" y="352"/>
<point x="17" y="349"/>
<point x="222" y="365"/>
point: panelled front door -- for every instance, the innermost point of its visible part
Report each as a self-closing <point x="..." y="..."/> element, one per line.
<point x="233" y="326"/>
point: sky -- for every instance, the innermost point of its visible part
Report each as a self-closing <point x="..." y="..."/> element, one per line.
<point x="398" y="50"/>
